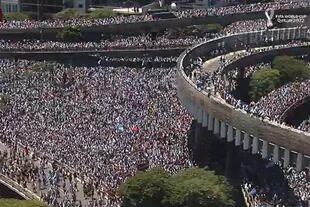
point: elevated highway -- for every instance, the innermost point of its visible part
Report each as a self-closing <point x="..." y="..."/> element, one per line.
<point x="260" y="136"/>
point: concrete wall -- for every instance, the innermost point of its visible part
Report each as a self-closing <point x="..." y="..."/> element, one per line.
<point x="81" y="53"/>
<point x="189" y="95"/>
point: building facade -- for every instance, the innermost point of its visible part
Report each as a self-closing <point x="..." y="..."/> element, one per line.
<point x="41" y="8"/>
<point x="8" y="6"/>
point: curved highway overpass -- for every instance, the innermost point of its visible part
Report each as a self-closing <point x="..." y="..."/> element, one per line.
<point x="252" y="133"/>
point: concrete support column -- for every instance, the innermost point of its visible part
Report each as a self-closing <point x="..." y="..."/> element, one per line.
<point x="276" y="153"/>
<point x="286" y="158"/>
<point x="299" y="162"/>
<point x="255" y="145"/>
<point x="199" y="114"/>
<point x="230" y="134"/>
<point x="265" y="149"/>
<point x="238" y="138"/>
<point x="210" y="122"/>
<point x="216" y="126"/>
<point x="246" y="141"/>
<point x="195" y="110"/>
<point x="223" y="129"/>
<point x="197" y="132"/>
<point x="205" y="119"/>
<point x="190" y="107"/>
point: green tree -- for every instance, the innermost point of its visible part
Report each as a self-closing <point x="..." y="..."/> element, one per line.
<point x="145" y="189"/>
<point x="21" y="203"/>
<point x="189" y="188"/>
<point x="69" y="13"/>
<point x="70" y="34"/>
<point x="263" y="82"/>
<point x="290" y="69"/>
<point x="101" y="13"/>
<point x="18" y="16"/>
<point x="198" y="187"/>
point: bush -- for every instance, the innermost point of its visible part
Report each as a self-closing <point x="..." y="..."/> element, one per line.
<point x="210" y="28"/>
<point x="69" y="13"/>
<point x="291" y="69"/>
<point x="17" y="16"/>
<point x="189" y="188"/>
<point x="101" y="13"/>
<point x="263" y="82"/>
<point x="19" y="203"/>
<point x="70" y="34"/>
<point x="284" y="69"/>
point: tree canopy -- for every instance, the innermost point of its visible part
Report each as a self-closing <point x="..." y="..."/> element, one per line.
<point x="284" y="69"/>
<point x="263" y="82"/>
<point x="68" y="13"/>
<point x="290" y="69"/>
<point x="18" y="16"/>
<point x="21" y="203"/>
<point x="101" y="13"/>
<point x="70" y="34"/>
<point x="189" y="188"/>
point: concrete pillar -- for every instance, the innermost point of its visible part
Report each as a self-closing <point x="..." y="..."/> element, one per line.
<point x="210" y="122"/>
<point x="216" y="126"/>
<point x="299" y="162"/>
<point x="223" y="129"/>
<point x="230" y="134"/>
<point x="197" y="132"/>
<point x="205" y="119"/>
<point x="275" y="153"/>
<point x="238" y="138"/>
<point x="265" y="150"/>
<point x="199" y="114"/>
<point x="195" y="110"/>
<point x="286" y="158"/>
<point x="255" y="145"/>
<point x="190" y="107"/>
<point x="246" y="141"/>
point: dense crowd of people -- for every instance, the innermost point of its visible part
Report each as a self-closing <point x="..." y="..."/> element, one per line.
<point x="241" y="8"/>
<point x="102" y="122"/>
<point x="131" y="42"/>
<point x="121" y="19"/>
<point x="143" y="41"/>
<point x="270" y="184"/>
<point x="275" y="103"/>
<point x="305" y="125"/>
<point x="245" y="26"/>
<point x="80" y="22"/>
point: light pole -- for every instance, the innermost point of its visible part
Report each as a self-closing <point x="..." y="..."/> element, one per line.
<point x="38" y="10"/>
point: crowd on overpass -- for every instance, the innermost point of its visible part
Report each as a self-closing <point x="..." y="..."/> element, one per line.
<point x="278" y="101"/>
<point x="116" y="43"/>
<point x="241" y="8"/>
<point x="103" y="122"/>
<point x="222" y="84"/>
<point x="143" y="41"/>
<point x="76" y="22"/>
<point x="120" y="19"/>
<point x="244" y="26"/>
<point x="305" y="125"/>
